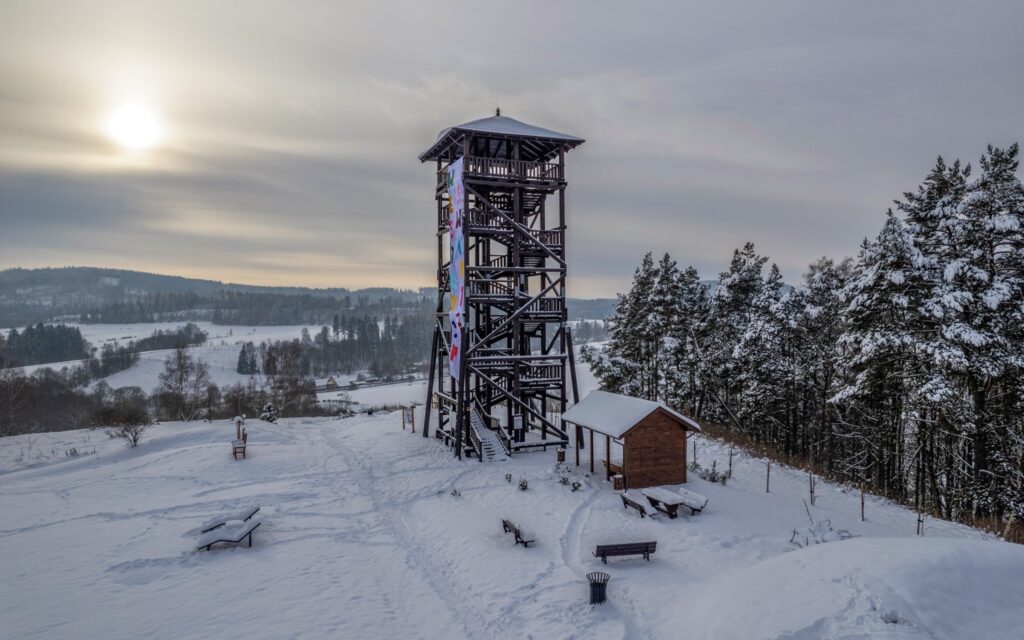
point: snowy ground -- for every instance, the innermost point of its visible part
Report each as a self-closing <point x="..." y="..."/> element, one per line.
<point x="220" y="352"/>
<point x="363" y="539"/>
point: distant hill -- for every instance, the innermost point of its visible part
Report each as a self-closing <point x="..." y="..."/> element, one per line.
<point x="117" y="295"/>
<point x="37" y="295"/>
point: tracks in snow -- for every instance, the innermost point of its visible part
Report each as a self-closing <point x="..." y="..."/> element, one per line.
<point x="460" y="601"/>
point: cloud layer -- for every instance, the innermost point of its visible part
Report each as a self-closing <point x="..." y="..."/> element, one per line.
<point x="293" y="128"/>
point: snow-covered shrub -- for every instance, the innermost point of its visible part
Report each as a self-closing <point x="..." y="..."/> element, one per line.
<point x="817" y="532"/>
<point x="712" y="474"/>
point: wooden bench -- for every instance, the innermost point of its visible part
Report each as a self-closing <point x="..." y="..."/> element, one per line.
<point x="692" y="500"/>
<point x="242" y="514"/>
<point x="641" y="508"/>
<point x="645" y="549"/>
<point x="233" y="531"/>
<point x="522" y="536"/>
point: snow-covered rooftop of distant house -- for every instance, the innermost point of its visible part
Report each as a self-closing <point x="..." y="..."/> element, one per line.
<point x="614" y="414"/>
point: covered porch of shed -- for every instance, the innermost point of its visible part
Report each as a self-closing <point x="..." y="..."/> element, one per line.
<point x="643" y="440"/>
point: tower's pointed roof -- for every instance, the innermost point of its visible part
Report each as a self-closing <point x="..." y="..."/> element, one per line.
<point x="538" y="143"/>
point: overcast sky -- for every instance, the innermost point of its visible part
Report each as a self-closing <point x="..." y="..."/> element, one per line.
<point x="291" y="130"/>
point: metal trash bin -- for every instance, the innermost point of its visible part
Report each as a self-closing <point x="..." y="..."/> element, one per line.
<point x="598" y="586"/>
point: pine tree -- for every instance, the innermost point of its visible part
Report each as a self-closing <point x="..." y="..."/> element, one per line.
<point x="243" y="361"/>
<point x="625" y="364"/>
<point x="732" y="307"/>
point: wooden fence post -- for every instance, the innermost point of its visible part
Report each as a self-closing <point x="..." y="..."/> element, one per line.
<point x="862" y="519"/>
<point x="768" y="478"/>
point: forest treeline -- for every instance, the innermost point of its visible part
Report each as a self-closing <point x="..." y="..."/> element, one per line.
<point x="51" y="343"/>
<point x="901" y="370"/>
<point x="49" y="400"/>
<point x="281" y="374"/>
<point x="383" y="347"/>
<point x="42" y="343"/>
<point x="242" y="308"/>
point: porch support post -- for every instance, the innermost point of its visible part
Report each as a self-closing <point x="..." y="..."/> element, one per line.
<point x="607" y="457"/>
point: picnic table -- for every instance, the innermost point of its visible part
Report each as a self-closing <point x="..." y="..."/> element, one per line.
<point x="663" y="500"/>
<point x="668" y="500"/>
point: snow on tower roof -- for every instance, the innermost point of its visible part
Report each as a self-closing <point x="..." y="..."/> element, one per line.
<point x="613" y="414"/>
<point x="546" y="142"/>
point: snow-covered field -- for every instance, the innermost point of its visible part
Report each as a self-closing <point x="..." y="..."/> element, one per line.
<point x="362" y="538"/>
<point x="220" y="352"/>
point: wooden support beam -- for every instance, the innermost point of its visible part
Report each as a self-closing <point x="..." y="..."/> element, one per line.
<point x="607" y="457"/>
<point x="591" y="451"/>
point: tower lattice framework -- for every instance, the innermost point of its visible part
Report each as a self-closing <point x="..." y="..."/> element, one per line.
<point x="517" y="361"/>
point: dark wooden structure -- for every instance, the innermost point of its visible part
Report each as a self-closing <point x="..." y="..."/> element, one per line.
<point x="522" y="537"/>
<point x="516" y="345"/>
<point x="233" y="535"/>
<point x="645" y="549"/>
<point x="238" y="446"/>
<point x="651" y="437"/>
<point x="644" y="510"/>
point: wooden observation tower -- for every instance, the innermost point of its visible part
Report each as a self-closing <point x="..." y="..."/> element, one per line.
<point x="501" y="374"/>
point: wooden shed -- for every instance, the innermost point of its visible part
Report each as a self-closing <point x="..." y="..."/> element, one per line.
<point x="645" y="441"/>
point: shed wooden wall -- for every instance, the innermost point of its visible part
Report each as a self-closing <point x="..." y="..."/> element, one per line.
<point x="655" y="452"/>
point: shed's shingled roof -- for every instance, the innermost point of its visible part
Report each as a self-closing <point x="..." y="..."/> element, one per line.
<point x="613" y="414"/>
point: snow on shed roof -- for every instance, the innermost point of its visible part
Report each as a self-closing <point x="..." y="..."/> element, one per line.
<point x="613" y="414"/>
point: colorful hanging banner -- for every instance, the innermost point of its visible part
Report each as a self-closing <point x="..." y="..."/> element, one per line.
<point x="457" y="266"/>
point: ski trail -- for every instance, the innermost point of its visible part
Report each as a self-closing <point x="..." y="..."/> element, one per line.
<point x="460" y="601"/>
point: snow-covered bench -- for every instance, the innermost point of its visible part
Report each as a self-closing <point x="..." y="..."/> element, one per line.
<point x="669" y="500"/>
<point x="220" y="521"/>
<point x="691" y="500"/>
<point x="522" y="536"/>
<point x="641" y="508"/>
<point x="233" y="531"/>
<point x="663" y="500"/>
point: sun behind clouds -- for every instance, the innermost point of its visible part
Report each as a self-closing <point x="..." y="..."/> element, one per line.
<point x="135" y="126"/>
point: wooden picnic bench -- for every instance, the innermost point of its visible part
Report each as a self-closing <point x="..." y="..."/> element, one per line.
<point x="663" y="500"/>
<point x="645" y="549"/>
<point x="668" y="500"/>
<point x="641" y="508"/>
<point x="692" y="500"/>
<point x="522" y="536"/>
<point x="233" y="531"/>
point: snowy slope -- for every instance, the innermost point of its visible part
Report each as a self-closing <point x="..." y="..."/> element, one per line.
<point x="220" y="352"/>
<point x="363" y="539"/>
<point x="871" y="588"/>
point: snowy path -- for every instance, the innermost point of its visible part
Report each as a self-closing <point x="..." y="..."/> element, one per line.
<point x="362" y="538"/>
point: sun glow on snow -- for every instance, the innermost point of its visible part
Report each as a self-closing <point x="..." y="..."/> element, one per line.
<point x="134" y="126"/>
